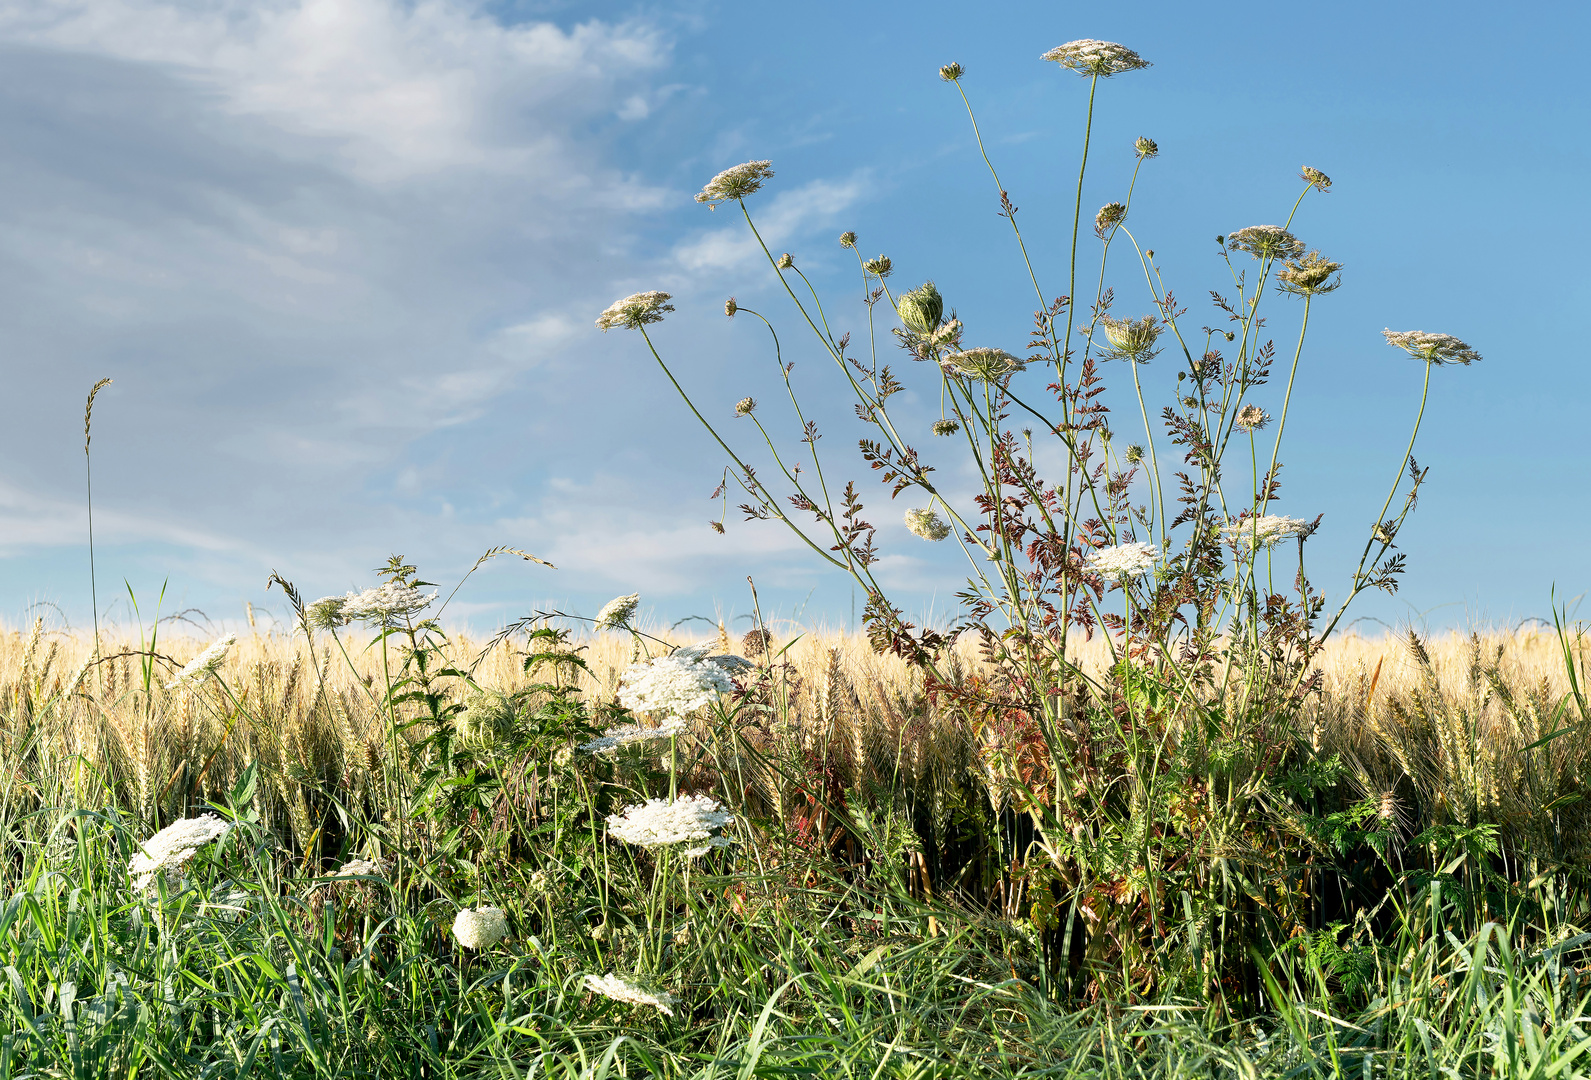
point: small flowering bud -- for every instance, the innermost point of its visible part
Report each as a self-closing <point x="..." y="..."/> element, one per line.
<point x="879" y="267"/>
<point x="848" y="239"/>
<point x="921" y="309"/>
<point x="1109" y="215"/>
<point x="1318" y="179"/>
<point x="730" y="307"/>
<point x="785" y="261"/>
<point x="1230" y="336"/>
<point x="1220" y="241"/>
<point x="946" y="427"/>
<point x="1135" y="454"/>
<point x="745" y="406"/>
<point x="926" y="524"/>
<point x="1146" y="147"/>
<point x="1150" y="253"/>
<point x="951" y="72"/>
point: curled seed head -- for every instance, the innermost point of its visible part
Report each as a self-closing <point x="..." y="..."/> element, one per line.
<point x="785" y="261"/>
<point x="879" y="267"/>
<point x="848" y="239"/>
<point x="1109" y="215"/>
<point x="730" y="307"/>
<point x="921" y="309"/>
<point x="951" y="72"/>
<point x="1146" y="147"/>
<point x="745" y="406"/>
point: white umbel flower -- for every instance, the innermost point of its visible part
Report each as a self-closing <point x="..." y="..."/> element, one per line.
<point x="480" y="927"/>
<point x="1264" y="531"/>
<point x="659" y="822"/>
<point x="1090" y="57"/>
<point x="203" y="666"/>
<point x="1123" y="562"/>
<point x="613" y="739"/>
<point x="926" y="524"/>
<point x="635" y="311"/>
<point x="1432" y="348"/>
<point x="385" y="603"/>
<point x="618" y="989"/>
<point x="361" y="868"/>
<point x="172" y="847"/>
<point x="617" y="613"/>
<point x="675" y="685"/>
<point x="735" y="183"/>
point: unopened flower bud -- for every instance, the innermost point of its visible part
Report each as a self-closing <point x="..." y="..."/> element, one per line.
<point x="745" y="406"/>
<point x="1109" y="214"/>
<point x="730" y="307"/>
<point x="879" y="267"/>
<point x="847" y="239"/>
<point x="921" y="309"/>
<point x="1320" y="180"/>
<point x="1146" y="147"/>
<point x="785" y="261"/>
<point x="951" y="72"/>
<point x="1135" y="454"/>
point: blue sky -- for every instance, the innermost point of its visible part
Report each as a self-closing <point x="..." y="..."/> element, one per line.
<point x="342" y="259"/>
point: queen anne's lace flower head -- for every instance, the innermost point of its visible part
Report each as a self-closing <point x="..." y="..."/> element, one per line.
<point x="326" y="613"/>
<point x="480" y="928"/>
<point x="361" y="868"/>
<point x="921" y="309"/>
<point x="1100" y="58"/>
<point x="385" y="603"/>
<point x="635" y="311"/>
<point x="1251" y="418"/>
<point x="1266" y="242"/>
<point x="1309" y="275"/>
<point x="203" y="666"/>
<point x="989" y="365"/>
<point x="926" y="524"/>
<point x="660" y="823"/>
<point x="618" y="612"/>
<point x="1123" y="562"/>
<point x="1146" y="147"/>
<point x="676" y="685"/>
<point x="1320" y="180"/>
<point x="951" y="72"/>
<point x="1130" y="339"/>
<point x="614" y="739"/>
<point x="612" y="986"/>
<point x="489" y="719"/>
<point x="879" y="266"/>
<point x="1432" y="348"/>
<point x="946" y="427"/>
<point x="1264" y="531"/>
<point x="170" y="849"/>
<point x="735" y="183"/>
<point x="745" y="406"/>
<point x="1111" y="214"/>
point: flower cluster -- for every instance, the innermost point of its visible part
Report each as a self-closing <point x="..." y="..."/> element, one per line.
<point x="612" y="986"/>
<point x="881" y="266"/>
<point x="745" y="406"/>
<point x="686" y="820"/>
<point x="481" y="927"/>
<point x="618" y="612"/>
<point x="1265" y="531"/>
<point x="203" y="666"/>
<point x="1432" y="348"/>
<point x="1097" y="58"/>
<point x="951" y="72"/>
<point x="921" y="309"/>
<point x="1109" y="215"/>
<point x="1251" y="418"/>
<point x="926" y="524"/>
<point x="1130" y="339"/>
<point x="489" y="718"/>
<point x="1266" y="242"/>
<point x="635" y="311"/>
<point x="735" y="183"/>
<point x="1309" y="275"/>
<point x="615" y="738"/>
<point x="361" y="868"/>
<point x="1123" y="562"/>
<point x="1320" y="180"/>
<point x="384" y="603"/>
<point x="172" y="847"/>
<point x="946" y="427"/>
<point x="677" y="684"/>
<point x="990" y="365"/>
<point x="1146" y="147"/>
